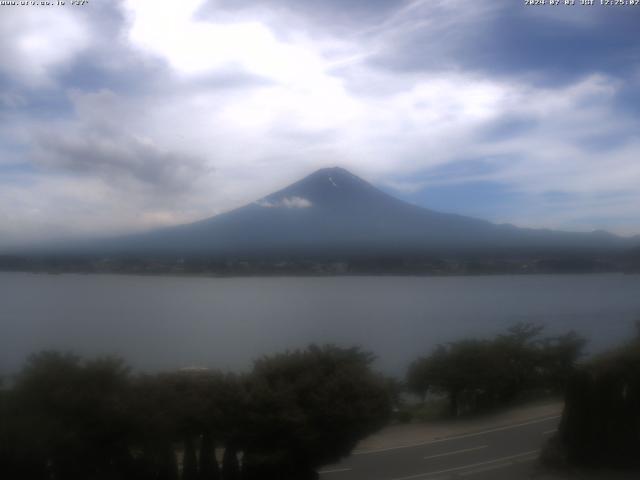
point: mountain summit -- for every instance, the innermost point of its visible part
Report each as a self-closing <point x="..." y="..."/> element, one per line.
<point x="326" y="188"/>
<point x="333" y="212"/>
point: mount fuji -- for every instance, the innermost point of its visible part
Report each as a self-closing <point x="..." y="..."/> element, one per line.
<point x="335" y="213"/>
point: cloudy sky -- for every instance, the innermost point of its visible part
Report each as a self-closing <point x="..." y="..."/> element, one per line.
<point x="126" y="115"/>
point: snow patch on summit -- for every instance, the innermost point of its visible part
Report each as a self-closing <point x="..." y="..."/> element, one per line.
<point x="332" y="182"/>
<point x="286" y="202"/>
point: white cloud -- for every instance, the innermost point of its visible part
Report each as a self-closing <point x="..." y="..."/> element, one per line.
<point x="254" y="141"/>
<point x="578" y="142"/>
<point x="286" y="202"/>
<point x="210" y="145"/>
<point x="195" y="47"/>
<point x="35" y="41"/>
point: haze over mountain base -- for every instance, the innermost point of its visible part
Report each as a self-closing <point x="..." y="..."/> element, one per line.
<point x="333" y="222"/>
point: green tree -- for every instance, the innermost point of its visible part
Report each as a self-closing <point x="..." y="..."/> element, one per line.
<point x="309" y="408"/>
<point x="190" y="461"/>
<point x="71" y="417"/>
<point x="186" y="410"/>
<point x="208" y="464"/>
<point x="559" y="356"/>
<point x="68" y="418"/>
<point x="418" y="378"/>
<point x="230" y="465"/>
<point x="475" y="374"/>
<point x="600" y="425"/>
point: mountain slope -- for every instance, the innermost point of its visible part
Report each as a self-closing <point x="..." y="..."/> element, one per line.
<point x="334" y="212"/>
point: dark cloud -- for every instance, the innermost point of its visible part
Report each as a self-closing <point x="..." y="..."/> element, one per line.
<point x="559" y="46"/>
<point x="131" y="76"/>
<point x="114" y="64"/>
<point x="507" y="126"/>
<point x="606" y="142"/>
<point x="331" y="14"/>
<point x="556" y="50"/>
<point x="110" y="61"/>
<point x="461" y="170"/>
<point x="554" y="45"/>
<point x="118" y="158"/>
<point x="38" y="104"/>
<point x="628" y="96"/>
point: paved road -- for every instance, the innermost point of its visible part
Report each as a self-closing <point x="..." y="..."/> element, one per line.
<point x="501" y="453"/>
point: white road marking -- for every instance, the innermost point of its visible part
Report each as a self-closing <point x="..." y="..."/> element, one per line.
<point x="335" y="470"/>
<point x="488" y="468"/>
<point x="549" y="432"/>
<point x="470" y="466"/>
<point x="457" y="437"/>
<point x="456" y="452"/>
<point x="524" y="460"/>
<point x="475" y="471"/>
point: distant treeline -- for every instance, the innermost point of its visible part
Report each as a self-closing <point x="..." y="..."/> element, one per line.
<point x="468" y="264"/>
<point x="65" y="418"/>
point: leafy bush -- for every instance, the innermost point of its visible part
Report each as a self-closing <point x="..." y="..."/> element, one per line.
<point x="68" y="418"/>
<point x="601" y="422"/>
<point x="478" y="374"/>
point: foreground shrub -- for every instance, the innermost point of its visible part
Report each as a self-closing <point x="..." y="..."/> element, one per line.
<point x="479" y="374"/>
<point x="70" y="419"/>
<point x="601" y="421"/>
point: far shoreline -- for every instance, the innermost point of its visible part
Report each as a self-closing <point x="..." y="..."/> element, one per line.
<point x="316" y="275"/>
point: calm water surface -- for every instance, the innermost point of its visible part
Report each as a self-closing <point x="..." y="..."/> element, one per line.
<point x="167" y="322"/>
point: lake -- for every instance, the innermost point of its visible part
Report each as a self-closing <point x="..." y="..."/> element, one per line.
<point x="167" y="322"/>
